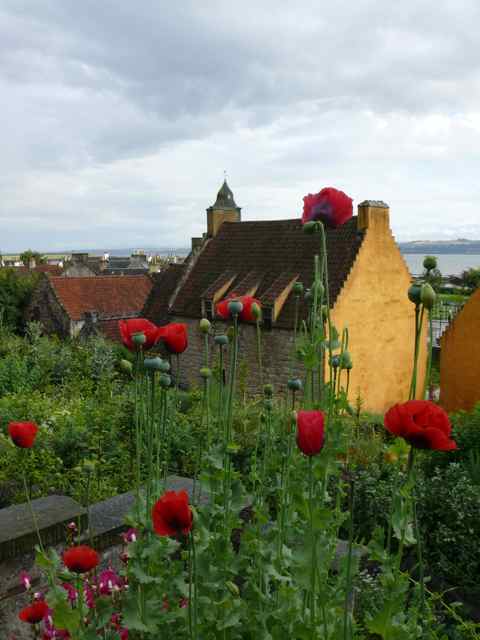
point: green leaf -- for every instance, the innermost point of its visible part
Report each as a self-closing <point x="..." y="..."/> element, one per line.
<point x="64" y="617"/>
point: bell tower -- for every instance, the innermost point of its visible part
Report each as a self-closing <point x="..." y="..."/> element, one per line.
<point x="223" y="210"/>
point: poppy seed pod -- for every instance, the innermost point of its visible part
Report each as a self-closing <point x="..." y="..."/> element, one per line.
<point x="126" y="365"/>
<point x="319" y="288"/>
<point x="204" y="325"/>
<point x="139" y="338"/>
<point x="268" y="404"/>
<point x="205" y="373"/>
<point x="294" y="384"/>
<point x="165" y="380"/>
<point x="298" y="288"/>
<point x="164" y="366"/>
<point x="268" y="390"/>
<point x="221" y="340"/>
<point x="427" y="296"/>
<point x="235" y="307"/>
<point x="429" y="263"/>
<point x="310" y="227"/>
<point x="153" y="364"/>
<point x="335" y="361"/>
<point x="346" y="360"/>
<point x="414" y="293"/>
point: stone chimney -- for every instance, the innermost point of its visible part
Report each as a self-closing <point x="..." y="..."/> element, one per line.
<point x="373" y="214"/>
<point x="224" y="210"/>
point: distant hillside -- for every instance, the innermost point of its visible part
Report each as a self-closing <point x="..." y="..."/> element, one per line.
<point x="436" y="247"/>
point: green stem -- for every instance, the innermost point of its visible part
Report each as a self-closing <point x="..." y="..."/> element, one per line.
<point x="313" y="539"/>
<point x="259" y="352"/>
<point x="30" y="506"/>
<point x="410" y="464"/>
<point x="348" y="588"/>
<point x="430" y="356"/>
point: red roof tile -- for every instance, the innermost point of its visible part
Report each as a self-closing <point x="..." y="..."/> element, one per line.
<point x="109" y="295"/>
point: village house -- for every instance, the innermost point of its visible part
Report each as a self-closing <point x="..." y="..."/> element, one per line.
<point x="70" y="307"/>
<point x="460" y="359"/>
<point x="368" y="287"/>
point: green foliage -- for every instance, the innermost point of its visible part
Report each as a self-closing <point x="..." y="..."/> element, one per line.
<point x="15" y="291"/>
<point x="470" y="278"/>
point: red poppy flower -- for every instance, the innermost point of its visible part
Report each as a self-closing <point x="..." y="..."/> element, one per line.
<point x="81" y="559"/>
<point x="246" y="314"/>
<point x="171" y="514"/>
<point x="138" y="325"/>
<point x="23" y="433"/>
<point x="330" y="206"/>
<point x="310" y="432"/>
<point x="175" y="336"/>
<point x="422" y="424"/>
<point x="34" y="613"/>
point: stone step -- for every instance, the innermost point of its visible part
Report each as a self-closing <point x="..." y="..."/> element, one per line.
<point x="17" y="528"/>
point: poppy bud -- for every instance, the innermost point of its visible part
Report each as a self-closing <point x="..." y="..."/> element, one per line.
<point x="235" y="307"/>
<point x="204" y="325"/>
<point x="256" y="311"/>
<point x="126" y="365"/>
<point x="139" y="338"/>
<point x="268" y="390"/>
<point x="294" y="384"/>
<point x="153" y="364"/>
<point x="268" y="404"/>
<point x="165" y="380"/>
<point x="221" y="340"/>
<point x="298" y="288"/>
<point x="205" y="373"/>
<point x="232" y="587"/>
<point x="346" y="360"/>
<point x="427" y="296"/>
<point x="319" y="288"/>
<point x="414" y="293"/>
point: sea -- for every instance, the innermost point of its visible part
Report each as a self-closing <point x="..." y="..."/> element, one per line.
<point x="450" y="264"/>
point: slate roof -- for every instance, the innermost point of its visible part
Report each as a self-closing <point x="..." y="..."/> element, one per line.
<point x="164" y="284"/>
<point x="276" y="249"/>
<point x="108" y="295"/>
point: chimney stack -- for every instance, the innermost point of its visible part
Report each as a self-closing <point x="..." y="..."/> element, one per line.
<point x="373" y="214"/>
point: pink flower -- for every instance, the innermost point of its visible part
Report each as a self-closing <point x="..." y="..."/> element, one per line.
<point x="330" y="206"/>
<point x="130" y="536"/>
<point x="109" y="581"/>
<point x="26" y="580"/>
<point x="72" y="593"/>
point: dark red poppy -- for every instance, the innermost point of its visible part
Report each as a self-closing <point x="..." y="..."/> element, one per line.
<point x="128" y="328"/>
<point x="23" y="434"/>
<point x="171" y="514"/>
<point x="175" y="336"/>
<point x="34" y="613"/>
<point x="81" y="559"/>
<point x="422" y="424"/>
<point x="310" y="432"/>
<point x="330" y="206"/>
<point x="246" y="314"/>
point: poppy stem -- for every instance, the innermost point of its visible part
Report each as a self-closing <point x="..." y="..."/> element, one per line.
<point x="313" y="542"/>
<point x="30" y="506"/>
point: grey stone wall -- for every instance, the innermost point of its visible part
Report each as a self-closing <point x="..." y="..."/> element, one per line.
<point x="277" y="346"/>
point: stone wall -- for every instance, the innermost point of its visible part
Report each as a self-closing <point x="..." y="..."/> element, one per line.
<point x="277" y="348"/>
<point x="45" y="308"/>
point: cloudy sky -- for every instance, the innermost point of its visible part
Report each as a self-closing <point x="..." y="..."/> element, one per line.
<point x="119" y="118"/>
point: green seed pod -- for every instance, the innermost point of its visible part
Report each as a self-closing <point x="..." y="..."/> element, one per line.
<point x="298" y="288"/>
<point x="126" y="365"/>
<point x="310" y="227"/>
<point x="319" y="288"/>
<point x="294" y="384"/>
<point x="165" y="366"/>
<point x="165" y="380"/>
<point x="204" y="325"/>
<point x="153" y="364"/>
<point x="268" y="390"/>
<point x="427" y="296"/>
<point x="221" y="340"/>
<point x="414" y="293"/>
<point x="139" y="338"/>
<point x="268" y="404"/>
<point x="235" y="307"/>
<point x="335" y="360"/>
<point x="256" y="311"/>
<point x="430" y="263"/>
<point x="205" y="373"/>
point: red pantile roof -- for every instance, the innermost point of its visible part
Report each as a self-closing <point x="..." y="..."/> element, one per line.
<point x="164" y="284"/>
<point x="109" y="295"/>
<point x="51" y="269"/>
